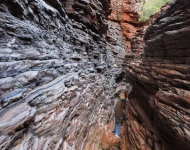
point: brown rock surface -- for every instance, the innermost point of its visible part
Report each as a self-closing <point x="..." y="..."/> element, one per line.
<point x="58" y="64"/>
<point x="128" y="30"/>
<point x="109" y="140"/>
<point x="126" y="14"/>
<point x="158" y="111"/>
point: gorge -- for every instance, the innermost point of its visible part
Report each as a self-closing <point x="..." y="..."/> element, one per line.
<point x="59" y="65"/>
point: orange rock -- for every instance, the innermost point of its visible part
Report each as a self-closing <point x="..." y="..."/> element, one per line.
<point x="128" y="30"/>
<point x="109" y="140"/>
<point x="130" y="17"/>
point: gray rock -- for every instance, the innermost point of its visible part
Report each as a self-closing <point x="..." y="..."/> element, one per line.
<point x="15" y="117"/>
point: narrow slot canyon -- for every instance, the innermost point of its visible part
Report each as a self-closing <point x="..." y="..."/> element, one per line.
<point x="62" y="62"/>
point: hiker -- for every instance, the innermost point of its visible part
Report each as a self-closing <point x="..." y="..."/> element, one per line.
<point x="122" y="92"/>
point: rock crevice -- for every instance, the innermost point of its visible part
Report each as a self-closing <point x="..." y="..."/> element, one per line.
<point x="158" y="113"/>
<point x="59" y="63"/>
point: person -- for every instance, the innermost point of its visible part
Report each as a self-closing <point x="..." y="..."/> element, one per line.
<point x="122" y="92"/>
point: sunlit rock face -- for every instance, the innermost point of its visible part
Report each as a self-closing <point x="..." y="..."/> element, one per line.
<point x="57" y="74"/>
<point x="158" y="112"/>
<point x="125" y="34"/>
<point x="125" y="15"/>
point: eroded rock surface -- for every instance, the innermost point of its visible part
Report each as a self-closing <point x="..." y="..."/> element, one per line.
<point x="57" y="74"/>
<point x="58" y="65"/>
<point x="125" y="14"/>
<point x="158" y="113"/>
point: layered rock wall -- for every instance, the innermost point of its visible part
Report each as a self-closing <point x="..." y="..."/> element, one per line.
<point x="58" y="64"/>
<point x="158" y="112"/>
<point x="57" y="74"/>
<point x="125" y="13"/>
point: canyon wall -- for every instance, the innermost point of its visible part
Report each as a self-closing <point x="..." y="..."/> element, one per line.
<point x="60" y="59"/>
<point x="158" y="110"/>
<point x="124" y="32"/>
<point x="57" y="73"/>
<point x="125" y="14"/>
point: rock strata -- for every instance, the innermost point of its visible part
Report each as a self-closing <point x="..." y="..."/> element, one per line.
<point x="59" y="63"/>
<point x="125" y="13"/>
<point x="57" y="74"/>
<point x="158" y="110"/>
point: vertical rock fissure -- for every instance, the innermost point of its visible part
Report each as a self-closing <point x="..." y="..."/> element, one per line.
<point x="62" y="61"/>
<point x="160" y="95"/>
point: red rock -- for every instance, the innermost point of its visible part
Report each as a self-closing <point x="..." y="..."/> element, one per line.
<point x="126" y="14"/>
<point x="158" y="110"/>
<point x="128" y="30"/>
<point x="109" y="140"/>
